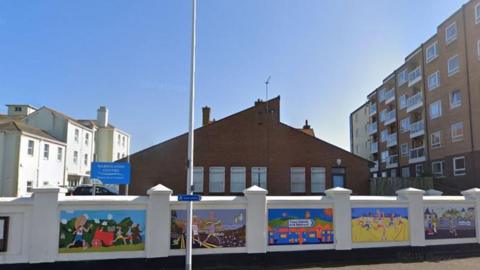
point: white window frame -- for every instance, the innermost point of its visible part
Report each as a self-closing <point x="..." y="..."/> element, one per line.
<point x="46" y="151"/>
<point x="433" y="46"/>
<point x="402" y="123"/>
<point x="435" y="103"/>
<point x="454" y="71"/>
<point x="477" y="13"/>
<point x="418" y="172"/>
<point x="435" y="75"/>
<point x="451" y="39"/>
<point x="440" y="173"/>
<point x="297" y="180"/>
<point x="85" y="159"/>
<point x="212" y="188"/>
<point x="402" y="77"/>
<point x="238" y="178"/>
<point x="457" y="138"/>
<point x="383" y="135"/>
<point x="77" y="134"/>
<point x="59" y="153"/>
<point x="198" y="175"/>
<point x="320" y="185"/>
<point x="402" y="148"/>
<point x="439" y="135"/>
<point x="403" y="102"/>
<point x="75" y="157"/>
<point x="458" y="104"/>
<point x="403" y="170"/>
<point x="87" y="138"/>
<point x="31" y="148"/>
<point x="259" y="172"/>
<point x="459" y="171"/>
<point x="478" y="49"/>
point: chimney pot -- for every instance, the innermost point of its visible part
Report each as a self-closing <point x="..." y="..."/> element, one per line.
<point x="206" y="115"/>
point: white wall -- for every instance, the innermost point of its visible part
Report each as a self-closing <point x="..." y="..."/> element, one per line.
<point x="34" y="224"/>
<point x="79" y="168"/>
<point x="9" y="144"/>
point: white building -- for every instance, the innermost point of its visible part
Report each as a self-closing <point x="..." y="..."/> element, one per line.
<point x="29" y="157"/>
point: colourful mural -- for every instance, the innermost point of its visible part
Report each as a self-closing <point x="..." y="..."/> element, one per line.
<point x="212" y="228"/>
<point x="101" y="230"/>
<point x="445" y="222"/>
<point x="380" y="224"/>
<point x="300" y="226"/>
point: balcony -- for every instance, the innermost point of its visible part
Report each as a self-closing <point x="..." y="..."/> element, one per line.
<point x="392" y="162"/>
<point x="414" y="76"/>
<point x="390" y="117"/>
<point x="372" y="128"/>
<point x="374" y="148"/>
<point x="392" y="140"/>
<point x="417" y="129"/>
<point x="375" y="167"/>
<point x="373" y="109"/>
<point x="389" y="96"/>
<point x="414" y="102"/>
<point x="417" y="155"/>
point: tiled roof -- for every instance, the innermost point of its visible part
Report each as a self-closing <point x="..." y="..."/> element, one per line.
<point x="12" y="125"/>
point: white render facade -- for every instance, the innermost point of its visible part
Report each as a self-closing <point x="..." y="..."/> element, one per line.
<point x="29" y="158"/>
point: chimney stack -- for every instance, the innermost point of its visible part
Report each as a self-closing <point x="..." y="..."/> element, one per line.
<point x="102" y="117"/>
<point x="206" y="115"/>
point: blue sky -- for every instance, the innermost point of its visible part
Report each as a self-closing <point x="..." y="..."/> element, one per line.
<point x="133" y="56"/>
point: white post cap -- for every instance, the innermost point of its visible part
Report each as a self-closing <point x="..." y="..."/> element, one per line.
<point x="337" y="191"/>
<point x="410" y="191"/>
<point x="255" y="190"/>
<point x="159" y="190"/>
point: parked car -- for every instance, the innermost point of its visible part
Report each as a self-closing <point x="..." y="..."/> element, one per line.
<point x="86" y="190"/>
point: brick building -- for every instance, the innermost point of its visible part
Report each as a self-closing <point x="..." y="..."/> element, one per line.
<point x="250" y="147"/>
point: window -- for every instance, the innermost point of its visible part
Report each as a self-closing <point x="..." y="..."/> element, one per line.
<point x="457" y="131"/>
<point x="29" y="186"/>
<point x="478" y="49"/>
<point x="404" y="149"/>
<point x="455" y="99"/>
<point x="118" y="139"/>
<point x="297" y="180"/>
<point x="338" y="177"/>
<point x="18" y="109"/>
<point x="318" y="179"/>
<point x="405" y="125"/>
<point x="46" y="151"/>
<point x="453" y="65"/>
<point x="403" y="101"/>
<point x="402" y="77"/>
<point x="436" y="109"/>
<point x="198" y="179"/>
<point x="59" y="153"/>
<point x="438" y="168"/>
<point x="216" y="183"/>
<point x="31" y="145"/>
<point x="477" y="13"/>
<point x="237" y="179"/>
<point x="123" y="141"/>
<point x="259" y="177"/>
<point x="433" y="80"/>
<point x="436" y="139"/>
<point x="77" y="132"/>
<point x="406" y="172"/>
<point x="432" y="52"/>
<point x="87" y="137"/>
<point x="118" y="156"/>
<point x="75" y="157"/>
<point x="451" y="33"/>
<point x="381" y="95"/>
<point x="414" y="76"/>
<point x="384" y="156"/>
<point x="383" y="135"/>
<point x="459" y="166"/>
<point x="85" y="159"/>
<point x="418" y="170"/>
<point x="383" y="113"/>
<point x="393" y="173"/>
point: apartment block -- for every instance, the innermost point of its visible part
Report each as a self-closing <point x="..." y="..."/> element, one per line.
<point x="424" y="119"/>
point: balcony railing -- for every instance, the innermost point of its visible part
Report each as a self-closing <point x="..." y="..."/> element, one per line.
<point x="417" y="129"/>
<point x="414" y="102"/>
<point x="392" y="140"/>
<point x="374" y="147"/>
<point x="390" y="117"/>
<point x="373" y="108"/>
<point x="372" y="128"/>
<point x="389" y="96"/>
<point x="414" y="76"/>
<point x="392" y="161"/>
<point x="417" y="155"/>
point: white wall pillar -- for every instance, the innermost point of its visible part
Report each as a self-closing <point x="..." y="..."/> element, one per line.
<point x="157" y="241"/>
<point x="44" y="227"/>
<point x="415" y="214"/>
<point x="256" y="219"/>
<point x="474" y="195"/>
<point x="342" y="217"/>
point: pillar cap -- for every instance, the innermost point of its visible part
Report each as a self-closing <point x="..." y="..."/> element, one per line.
<point x="338" y="190"/>
<point x="473" y="192"/>
<point x="47" y="189"/>
<point x="410" y="191"/>
<point x="159" y="190"/>
<point x="255" y="190"/>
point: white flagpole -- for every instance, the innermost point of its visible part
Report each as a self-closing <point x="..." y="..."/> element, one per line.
<point x="188" y="231"/>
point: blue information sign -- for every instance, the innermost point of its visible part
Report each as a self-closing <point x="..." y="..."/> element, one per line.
<point x="189" y="198"/>
<point x="111" y="172"/>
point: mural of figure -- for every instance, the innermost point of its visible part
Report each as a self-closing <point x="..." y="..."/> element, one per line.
<point x="211" y="228"/>
<point x="119" y="235"/>
<point x="79" y="232"/>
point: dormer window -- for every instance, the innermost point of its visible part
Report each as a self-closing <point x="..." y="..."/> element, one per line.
<point x="18" y="109"/>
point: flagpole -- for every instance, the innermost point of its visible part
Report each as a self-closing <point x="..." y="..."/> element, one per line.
<point x="188" y="231"/>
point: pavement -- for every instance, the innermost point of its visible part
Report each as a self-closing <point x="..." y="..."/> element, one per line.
<point x="452" y="264"/>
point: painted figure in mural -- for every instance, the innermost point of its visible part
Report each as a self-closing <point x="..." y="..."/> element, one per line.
<point x="119" y="235"/>
<point x="452" y="226"/>
<point x="196" y="230"/>
<point x="211" y="228"/>
<point x="137" y="233"/>
<point x="79" y="232"/>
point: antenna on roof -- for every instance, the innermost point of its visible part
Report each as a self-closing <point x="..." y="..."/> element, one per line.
<point x="266" y="90"/>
